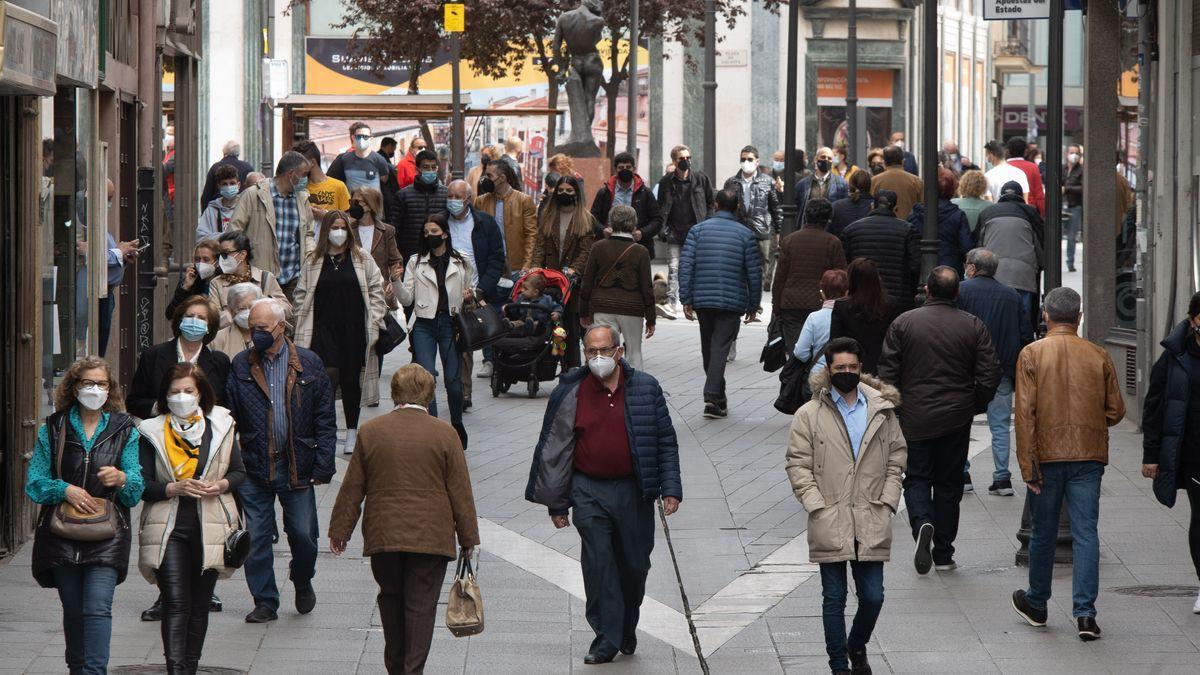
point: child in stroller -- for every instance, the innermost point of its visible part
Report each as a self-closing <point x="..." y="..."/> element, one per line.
<point x="528" y="321"/>
<point x="528" y="353"/>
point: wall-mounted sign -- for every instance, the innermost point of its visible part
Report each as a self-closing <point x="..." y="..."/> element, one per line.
<point x="733" y="58"/>
<point x="1015" y="10"/>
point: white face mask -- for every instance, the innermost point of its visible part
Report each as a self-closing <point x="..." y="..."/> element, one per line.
<point x="183" y="405"/>
<point x="205" y="270"/>
<point x="362" y="143"/>
<point x="338" y="237"/>
<point x="749" y="166"/>
<point x="602" y="366"/>
<point x="899" y="144"/>
<point x="92" y="398"/>
<point x="228" y="263"/>
<point x="1073" y="157"/>
<point x="242" y="319"/>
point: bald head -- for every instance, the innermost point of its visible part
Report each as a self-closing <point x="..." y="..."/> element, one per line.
<point x="112" y="189"/>
<point x="942" y="283"/>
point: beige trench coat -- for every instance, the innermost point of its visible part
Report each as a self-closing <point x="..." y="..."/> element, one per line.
<point x="218" y="292"/>
<point x="254" y="214"/>
<point x="847" y="500"/>
<point x="370" y="283"/>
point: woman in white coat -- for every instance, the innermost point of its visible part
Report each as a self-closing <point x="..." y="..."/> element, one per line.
<point x="339" y="307"/>
<point x="190" y="463"/>
<point x="435" y="282"/>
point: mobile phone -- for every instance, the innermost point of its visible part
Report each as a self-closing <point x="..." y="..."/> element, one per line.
<point x="143" y="247"/>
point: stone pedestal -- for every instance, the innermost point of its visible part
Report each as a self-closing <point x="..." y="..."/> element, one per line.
<point x="595" y="170"/>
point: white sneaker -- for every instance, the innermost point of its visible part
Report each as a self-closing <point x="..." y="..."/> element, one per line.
<point x="351" y="439"/>
<point x="485" y="371"/>
<point x="1196" y="607"/>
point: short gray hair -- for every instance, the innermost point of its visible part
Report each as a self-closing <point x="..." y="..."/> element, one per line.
<point x="613" y="333"/>
<point x="231" y="147"/>
<point x="239" y="292"/>
<point x="276" y="308"/>
<point x="289" y="162"/>
<point x="985" y="262"/>
<point x="1063" y="305"/>
<point x="622" y="218"/>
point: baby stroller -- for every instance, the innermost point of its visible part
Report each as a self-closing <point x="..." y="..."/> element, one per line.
<point x="530" y="358"/>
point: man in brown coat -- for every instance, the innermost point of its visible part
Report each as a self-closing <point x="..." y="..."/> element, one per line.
<point x="1066" y="399"/>
<point x="804" y="256"/>
<point x="908" y="188"/>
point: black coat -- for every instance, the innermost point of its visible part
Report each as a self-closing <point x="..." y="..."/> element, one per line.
<point x="210" y="191"/>
<point x="1168" y="412"/>
<point x="849" y="321"/>
<point x="152" y="367"/>
<point x="895" y="247"/>
<point x="51" y="551"/>
<point x="199" y="288"/>
<point x="846" y="211"/>
<point x="413" y="206"/>
<point x="648" y="219"/>
<point x="488" y="246"/>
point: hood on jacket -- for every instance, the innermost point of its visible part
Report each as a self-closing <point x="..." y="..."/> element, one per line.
<point x="638" y="184"/>
<point x="946" y="209"/>
<point x="216" y="203"/>
<point x="1176" y="340"/>
<point x="876" y="388"/>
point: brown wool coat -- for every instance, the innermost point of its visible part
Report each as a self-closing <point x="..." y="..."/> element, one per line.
<point x="804" y="256"/>
<point x="412" y="471"/>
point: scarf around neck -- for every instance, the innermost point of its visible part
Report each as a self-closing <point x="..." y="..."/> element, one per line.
<point x="183" y="438"/>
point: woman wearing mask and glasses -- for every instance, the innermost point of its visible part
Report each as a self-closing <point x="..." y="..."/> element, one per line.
<point x="191" y="463"/>
<point x="197" y="278"/>
<point x="566" y="231"/>
<point x="235" y="338"/>
<point x="86" y="456"/>
<point x="377" y="238"/>
<point x="339" y="307"/>
<point x="435" y="283"/>
<point x="234" y="267"/>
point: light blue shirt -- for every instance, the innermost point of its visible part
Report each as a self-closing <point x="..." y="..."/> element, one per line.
<point x="813" y="338"/>
<point x="624" y="194"/>
<point x="460" y="234"/>
<point x="854" y="416"/>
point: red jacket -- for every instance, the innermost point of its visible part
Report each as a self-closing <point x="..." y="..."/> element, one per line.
<point x="406" y="171"/>
<point x="1037" y="192"/>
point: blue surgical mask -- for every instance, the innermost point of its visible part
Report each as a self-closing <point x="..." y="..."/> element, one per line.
<point x="778" y="166"/>
<point x="193" y="329"/>
<point x="302" y="184"/>
<point x="229" y="191"/>
<point x="429" y="177"/>
<point x="455" y="206"/>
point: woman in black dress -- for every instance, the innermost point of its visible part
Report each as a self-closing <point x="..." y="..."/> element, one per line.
<point x="340" y="304"/>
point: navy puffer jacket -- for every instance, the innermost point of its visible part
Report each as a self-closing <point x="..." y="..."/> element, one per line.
<point x="895" y="247"/>
<point x="651" y="440"/>
<point x="1167" y="409"/>
<point x="720" y="266"/>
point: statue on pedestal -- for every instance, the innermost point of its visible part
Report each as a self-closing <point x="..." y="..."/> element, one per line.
<point x="581" y="30"/>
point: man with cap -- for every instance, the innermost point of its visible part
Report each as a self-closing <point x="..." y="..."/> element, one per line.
<point x="1013" y="230"/>
<point x="893" y="244"/>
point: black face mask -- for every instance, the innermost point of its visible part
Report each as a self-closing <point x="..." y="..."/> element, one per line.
<point x="844" y="382"/>
<point x="683" y="164"/>
<point x="355" y="211"/>
<point x="876" y="169"/>
<point x="824" y="165"/>
<point x="433" y="241"/>
<point x="625" y="175"/>
<point x="564" y="199"/>
<point x="486" y="186"/>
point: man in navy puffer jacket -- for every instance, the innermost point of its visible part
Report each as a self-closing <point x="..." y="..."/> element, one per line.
<point x="720" y="280"/>
<point x="610" y="479"/>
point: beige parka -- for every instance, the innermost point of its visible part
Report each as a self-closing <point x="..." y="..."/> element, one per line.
<point x="847" y="500"/>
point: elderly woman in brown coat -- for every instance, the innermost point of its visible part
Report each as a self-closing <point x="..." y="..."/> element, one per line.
<point x="412" y="471"/>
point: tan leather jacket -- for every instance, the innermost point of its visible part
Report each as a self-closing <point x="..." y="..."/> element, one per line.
<point x="848" y="500"/>
<point x="1066" y="398"/>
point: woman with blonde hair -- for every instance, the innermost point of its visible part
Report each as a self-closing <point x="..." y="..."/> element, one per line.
<point x="411" y="470"/>
<point x="339" y="307"/>
<point x="972" y="193"/>
<point x="86" y="461"/>
<point x="566" y="231"/>
<point x="377" y="238"/>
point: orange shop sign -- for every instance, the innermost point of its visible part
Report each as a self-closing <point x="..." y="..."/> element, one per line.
<point x="872" y="84"/>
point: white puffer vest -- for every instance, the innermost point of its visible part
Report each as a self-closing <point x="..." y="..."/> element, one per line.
<point x="158" y="518"/>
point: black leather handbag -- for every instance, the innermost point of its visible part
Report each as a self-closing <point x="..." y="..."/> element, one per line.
<point x="391" y="335"/>
<point x="237" y="544"/>
<point x="793" y="387"/>
<point x="774" y="354"/>
<point x="479" y="326"/>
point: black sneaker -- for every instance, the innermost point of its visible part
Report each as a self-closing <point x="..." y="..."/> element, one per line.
<point x="968" y="486"/>
<point x="948" y="566"/>
<point x="629" y="645"/>
<point x="261" y="614"/>
<point x="306" y="599"/>
<point x="1002" y="488"/>
<point x="215" y="604"/>
<point x="154" y="612"/>
<point x="1034" y="617"/>
<point x="858" y="661"/>
<point x="923" y="558"/>
<point x="715" y="411"/>
<point x="1088" y="629"/>
<point x="1070" y="268"/>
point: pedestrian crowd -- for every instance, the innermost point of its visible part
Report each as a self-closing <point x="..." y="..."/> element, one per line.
<point x="302" y="282"/>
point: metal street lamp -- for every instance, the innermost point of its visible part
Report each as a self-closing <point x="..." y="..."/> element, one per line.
<point x="710" y="88"/>
<point x="929" y="158"/>
<point x="852" y="137"/>
<point x="789" y="123"/>
<point x="631" y="144"/>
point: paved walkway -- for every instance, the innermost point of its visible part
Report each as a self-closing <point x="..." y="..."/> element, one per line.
<point x="739" y="544"/>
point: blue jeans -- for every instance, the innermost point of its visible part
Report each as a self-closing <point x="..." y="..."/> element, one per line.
<point x="998" y="413"/>
<point x="429" y="337"/>
<point x="300" y="525"/>
<point x="868" y="584"/>
<point x="86" y="593"/>
<point x="1074" y="225"/>
<point x="1079" y="484"/>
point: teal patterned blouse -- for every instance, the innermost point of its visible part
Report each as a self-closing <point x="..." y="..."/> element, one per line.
<point x="42" y="488"/>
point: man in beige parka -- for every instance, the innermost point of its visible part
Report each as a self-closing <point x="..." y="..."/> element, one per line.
<point x="845" y="458"/>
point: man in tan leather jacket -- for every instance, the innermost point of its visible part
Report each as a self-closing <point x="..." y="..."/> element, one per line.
<point x="1066" y="398"/>
<point x="845" y="456"/>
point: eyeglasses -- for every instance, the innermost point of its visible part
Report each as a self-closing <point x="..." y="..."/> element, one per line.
<point x="103" y="384"/>
<point x="593" y="352"/>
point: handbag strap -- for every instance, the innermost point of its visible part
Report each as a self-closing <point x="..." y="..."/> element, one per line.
<point x="60" y="444"/>
<point x="228" y="520"/>
<point x="612" y="267"/>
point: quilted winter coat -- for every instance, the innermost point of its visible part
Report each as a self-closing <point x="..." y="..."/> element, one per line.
<point x="721" y="266"/>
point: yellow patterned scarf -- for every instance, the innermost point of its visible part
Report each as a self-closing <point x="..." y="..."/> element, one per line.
<point x="183" y="438"/>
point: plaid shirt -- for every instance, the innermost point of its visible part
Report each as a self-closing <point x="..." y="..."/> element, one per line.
<point x="287" y="234"/>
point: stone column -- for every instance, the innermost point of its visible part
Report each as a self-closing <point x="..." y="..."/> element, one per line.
<point x="765" y="92"/>
<point x="651" y="170"/>
<point x="693" y="102"/>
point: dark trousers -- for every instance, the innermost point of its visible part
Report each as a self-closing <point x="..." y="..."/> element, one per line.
<point x="105" y="307"/>
<point x="409" y="587"/>
<point x="300" y="525"/>
<point x="933" y="485"/>
<point x="186" y="594"/>
<point x="868" y="584"/>
<point x="718" y="331"/>
<point x="349" y="382"/>
<point x="1191" y="475"/>
<point x="86" y="593"/>
<point x="616" y="528"/>
<point x="791" y="321"/>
